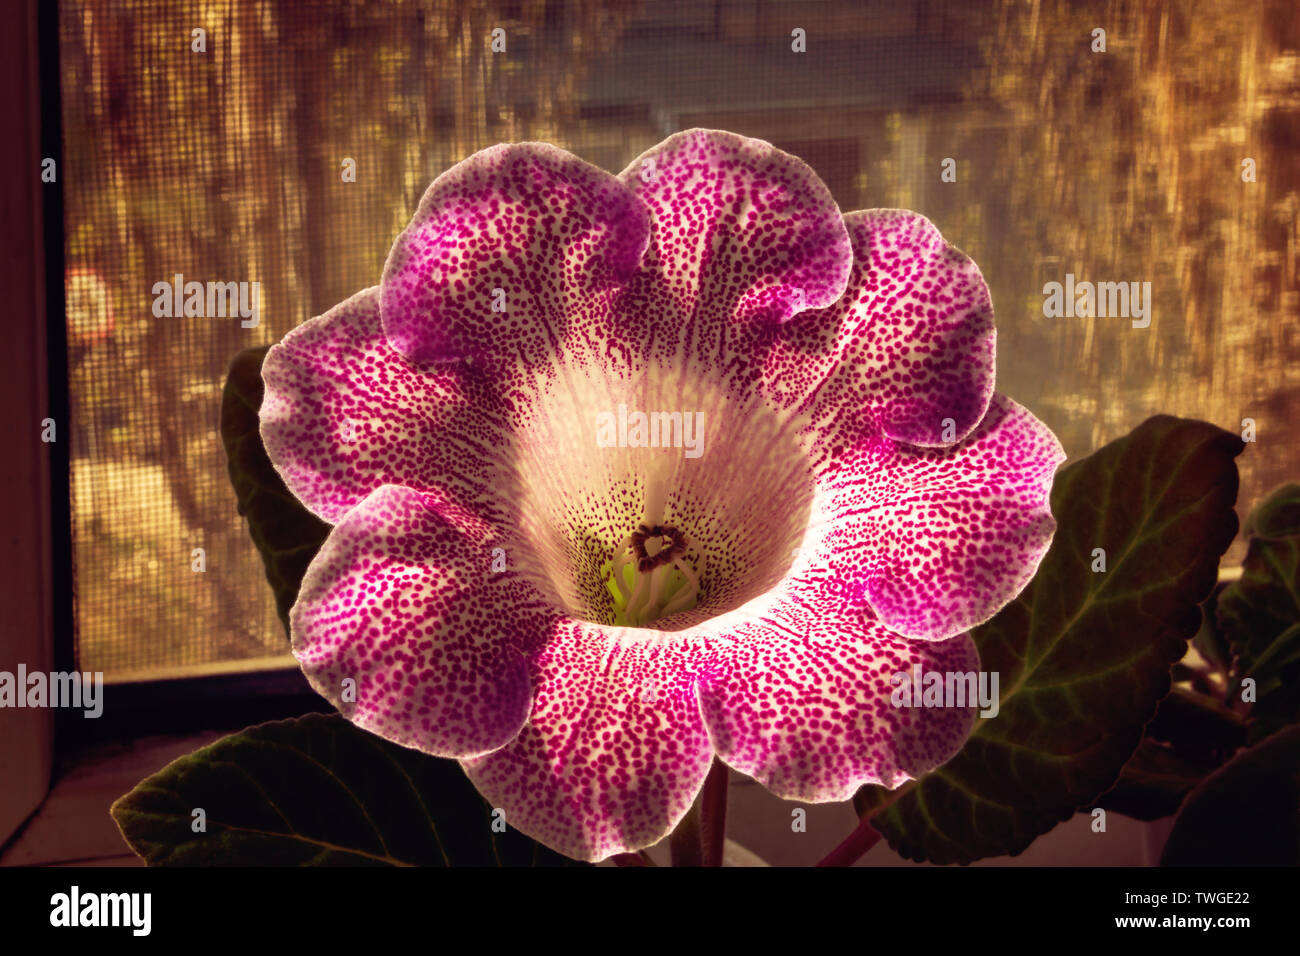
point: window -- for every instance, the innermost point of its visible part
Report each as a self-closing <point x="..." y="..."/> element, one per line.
<point x="208" y="142"/>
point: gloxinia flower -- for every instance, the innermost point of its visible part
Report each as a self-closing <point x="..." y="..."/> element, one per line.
<point x="627" y="472"/>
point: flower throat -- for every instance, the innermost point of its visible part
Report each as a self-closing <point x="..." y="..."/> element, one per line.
<point x="652" y="575"/>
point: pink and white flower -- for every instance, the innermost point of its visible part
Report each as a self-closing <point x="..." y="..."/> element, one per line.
<point x="584" y="624"/>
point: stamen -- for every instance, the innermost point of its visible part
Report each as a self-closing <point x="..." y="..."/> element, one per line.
<point x="621" y="559"/>
<point x="686" y="597"/>
<point x="658" y="578"/>
<point x="634" y="604"/>
<point x="666" y="581"/>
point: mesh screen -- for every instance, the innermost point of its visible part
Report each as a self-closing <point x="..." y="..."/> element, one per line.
<point x="224" y="164"/>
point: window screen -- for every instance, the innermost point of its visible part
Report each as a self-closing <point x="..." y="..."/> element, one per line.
<point x="207" y="141"/>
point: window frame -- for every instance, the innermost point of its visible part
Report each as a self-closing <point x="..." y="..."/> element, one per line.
<point x="230" y="695"/>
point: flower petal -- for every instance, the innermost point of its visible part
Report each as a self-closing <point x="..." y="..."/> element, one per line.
<point x="743" y="232"/>
<point x="802" y="703"/>
<point x="906" y="353"/>
<point x="402" y="599"/>
<point x="506" y="249"/>
<point x="343" y="414"/>
<point x="936" y="541"/>
<point x="615" y="750"/>
<point x="915" y="340"/>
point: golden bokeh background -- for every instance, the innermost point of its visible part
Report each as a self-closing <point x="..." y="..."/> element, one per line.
<point x="224" y="165"/>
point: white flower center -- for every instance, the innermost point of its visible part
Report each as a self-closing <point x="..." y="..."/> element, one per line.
<point x="651" y="537"/>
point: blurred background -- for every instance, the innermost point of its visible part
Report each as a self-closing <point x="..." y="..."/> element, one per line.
<point x="224" y="165"/>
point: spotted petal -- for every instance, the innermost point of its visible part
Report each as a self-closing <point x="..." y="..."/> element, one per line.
<point x="507" y="250"/>
<point x="344" y="413"/>
<point x="615" y="750"/>
<point x="744" y="236"/>
<point x="403" y="602"/>
<point x="936" y="541"/>
<point x="914" y="339"/>
<point x="804" y="703"/>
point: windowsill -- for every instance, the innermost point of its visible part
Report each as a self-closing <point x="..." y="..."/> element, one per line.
<point x="72" y="826"/>
<point x="278" y="665"/>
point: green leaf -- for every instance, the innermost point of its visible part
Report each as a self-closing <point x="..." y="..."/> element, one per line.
<point x="1278" y="516"/>
<point x="1276" y="672"/>
<point x="1260" y="613"/>
<point x="1197" y="726"/>
<point x="1083" y="658"/>
<point x="1210" y="641"/>
<point x="1189" y="738"/>
<point x="1245" y="814"/>
<point x="317" y="791"/>
<point x="287" y="534"/>
<point x="1155" y="781"/>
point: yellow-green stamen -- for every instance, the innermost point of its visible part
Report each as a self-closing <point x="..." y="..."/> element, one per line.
<point x="651" y="576"/>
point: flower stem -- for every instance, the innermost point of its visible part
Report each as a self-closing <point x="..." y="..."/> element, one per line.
<point x="700" y="837"/>
<point x="713" y="814"/>
<point x="864" y="836"/>
<point x="640" y="858"/>
<point x="684" y="844"/>
<point x="852" y="848"/>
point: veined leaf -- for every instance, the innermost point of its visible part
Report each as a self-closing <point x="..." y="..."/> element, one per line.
<point x="286" y="534"/>
<point x="1083" y="657"/>
<point x="317" y="791"/>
